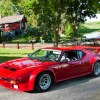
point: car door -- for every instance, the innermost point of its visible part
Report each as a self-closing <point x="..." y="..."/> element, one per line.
<point x="84" y="61"/>
<point x="75" y="64"/>
<point x="79" y="66"/>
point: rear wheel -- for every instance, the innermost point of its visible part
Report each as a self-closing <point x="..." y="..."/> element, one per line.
<point x="96" y="69"/>
<point x="44" y="82"/>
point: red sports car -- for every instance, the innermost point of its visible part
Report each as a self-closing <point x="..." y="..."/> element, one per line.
<point x="45" y="66"/>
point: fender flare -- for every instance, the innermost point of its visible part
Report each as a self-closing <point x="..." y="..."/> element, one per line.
<point x="34" y="75"/>
<point x="93" y="61"/>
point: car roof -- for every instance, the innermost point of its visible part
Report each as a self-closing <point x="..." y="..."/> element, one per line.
<point x="73" y="48"/>
<point x="63" y="48"/>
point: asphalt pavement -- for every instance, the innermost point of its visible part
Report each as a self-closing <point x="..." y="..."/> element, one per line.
<point x="83" y="88"/>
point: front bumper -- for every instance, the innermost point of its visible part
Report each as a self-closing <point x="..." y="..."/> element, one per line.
<point x="27" y="86"/>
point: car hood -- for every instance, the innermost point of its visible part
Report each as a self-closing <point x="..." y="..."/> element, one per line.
<point x="9" y="68"/>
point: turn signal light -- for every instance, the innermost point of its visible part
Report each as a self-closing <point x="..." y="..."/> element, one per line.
<point x="14" y="82"/>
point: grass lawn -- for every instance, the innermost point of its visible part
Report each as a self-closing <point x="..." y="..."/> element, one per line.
<point x="9" y="54"/>
<point x="90" y="27"/>
<point x="20" y="40"/>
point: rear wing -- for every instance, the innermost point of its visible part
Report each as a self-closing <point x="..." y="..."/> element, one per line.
<point x="91" y="48"/>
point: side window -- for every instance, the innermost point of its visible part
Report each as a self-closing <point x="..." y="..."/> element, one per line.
<point x="70" y="55"/>
<point x="65" y="57"/>
<point x="80" y="54"/>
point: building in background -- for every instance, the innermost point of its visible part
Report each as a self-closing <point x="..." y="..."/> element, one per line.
<point x="13" y="25"/>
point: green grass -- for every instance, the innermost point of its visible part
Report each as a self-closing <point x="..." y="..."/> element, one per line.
<point x="90" y="27"/>
<point x="98" y="12"/>
<point x="9" y="54"/>
<point x="20" y="40"/>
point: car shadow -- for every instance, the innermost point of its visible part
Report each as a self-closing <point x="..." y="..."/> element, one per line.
<point x="71" y="82"/>
<point x="68" y="83"/>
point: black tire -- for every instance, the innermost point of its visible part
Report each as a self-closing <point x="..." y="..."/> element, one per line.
<point x="47" y="79"/>
<point x="96" y="69"/>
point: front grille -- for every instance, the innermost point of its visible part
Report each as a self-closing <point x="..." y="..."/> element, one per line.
<point x="6" y="79"/>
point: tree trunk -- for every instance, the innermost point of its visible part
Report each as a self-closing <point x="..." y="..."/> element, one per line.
<point x="59" y="23"/>
<point x="56" y="39"/>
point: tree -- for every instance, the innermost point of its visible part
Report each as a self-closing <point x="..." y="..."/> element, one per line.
<point x="52" y="15"/>
<point x="76" y="12"/>
<point x="6" y="8"/>
<point x="46" y="16"/>
<point x="49" y="17"/>
<point x="22" y="7"/>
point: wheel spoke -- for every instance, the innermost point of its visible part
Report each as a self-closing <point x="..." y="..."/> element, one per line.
<point x="45" y="81"/>
<point x="97" y="69"/>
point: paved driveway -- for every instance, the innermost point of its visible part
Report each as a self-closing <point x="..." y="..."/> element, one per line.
<point x="83" y="88"/>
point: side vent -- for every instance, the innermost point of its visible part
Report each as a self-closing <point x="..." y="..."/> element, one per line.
<point x="6" y="67"/>
<point x="13" y="69"/>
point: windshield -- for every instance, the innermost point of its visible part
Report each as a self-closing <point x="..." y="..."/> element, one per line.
<point x="45" y="55"/>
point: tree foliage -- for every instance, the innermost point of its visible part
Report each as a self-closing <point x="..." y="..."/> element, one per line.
<point x="50" y="16"/>
<point x="22" y="6"/>
<point x="76" y="12"/>
<point x="6" y="8"/>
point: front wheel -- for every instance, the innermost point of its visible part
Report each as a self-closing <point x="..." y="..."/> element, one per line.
<point x="96" y="69"/>
<point x="44" y="82"/>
